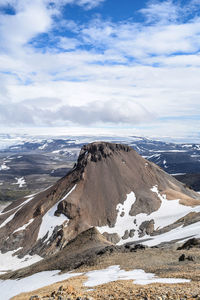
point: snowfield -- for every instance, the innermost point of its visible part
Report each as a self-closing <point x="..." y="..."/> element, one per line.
<point x="50" y="221"/>
<point x="114" y="273"/>
<point x="10" y="262"/>
<point x="169" y="212"/>
<point x="10" y="288"/>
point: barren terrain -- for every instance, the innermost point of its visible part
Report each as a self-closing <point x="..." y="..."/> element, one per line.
<point x="162" y="262"/>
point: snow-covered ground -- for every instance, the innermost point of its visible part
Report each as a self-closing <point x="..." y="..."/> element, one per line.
<point x="182" y="233"/>
<point x="4" y="167"/>
<point x="176" y="174"/>
<point x="10" y="288"/>
<point x="24" y="226"/>
<point x="169" y="212"/>
<point x="15" y="209"/>
<point x="3" y="205"/>
<point x="50" y="221"/>
<point x="20" y="181"/>
<point x="114" y="273"/>
<point x="10" y="262"/>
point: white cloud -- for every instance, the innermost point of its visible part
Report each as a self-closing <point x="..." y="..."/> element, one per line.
<point x="42" y="112"/>
<point x="68" y="43"/>
<point x="161" y="11"/>
<point x="130" y="73"/>
<point x="89" y="4"/>
<point x="139" y="41"/>
<point x="31" y="19"/>
<point x="86" y="4"/>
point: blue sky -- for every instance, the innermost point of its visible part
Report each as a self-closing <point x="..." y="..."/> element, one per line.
<point x="117" y="65"/>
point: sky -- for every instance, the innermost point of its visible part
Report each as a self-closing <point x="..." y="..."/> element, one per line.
<point x="128" y="66"/>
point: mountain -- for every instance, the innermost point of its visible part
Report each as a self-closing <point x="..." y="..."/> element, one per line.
<point x="111" y="187"/>
<point x="30" y="157"/>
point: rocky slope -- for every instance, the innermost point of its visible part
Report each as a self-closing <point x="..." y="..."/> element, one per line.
<point x="110" y="187"/>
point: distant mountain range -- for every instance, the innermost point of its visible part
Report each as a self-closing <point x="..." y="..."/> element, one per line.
<point x="173" y="158"/>
<point x="29" y="164"/>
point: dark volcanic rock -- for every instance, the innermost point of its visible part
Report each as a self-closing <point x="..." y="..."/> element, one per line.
<point x="182" y="257"/>
<point x="191" y="243"/>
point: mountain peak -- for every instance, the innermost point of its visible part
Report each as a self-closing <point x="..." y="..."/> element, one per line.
<point x="96" y="151"/>
<point x="112" y="188"/>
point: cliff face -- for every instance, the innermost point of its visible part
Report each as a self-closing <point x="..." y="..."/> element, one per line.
<point x="109" y="184"/>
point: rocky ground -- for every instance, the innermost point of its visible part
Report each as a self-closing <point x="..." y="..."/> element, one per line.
<point x="163" y="262"/>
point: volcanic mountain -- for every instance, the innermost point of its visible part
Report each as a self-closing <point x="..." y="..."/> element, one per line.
<point x="111" y="187"/>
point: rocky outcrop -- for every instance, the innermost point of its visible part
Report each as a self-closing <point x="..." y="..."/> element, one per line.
<point x="191" y="243"/>
<point x="147" y="227"/>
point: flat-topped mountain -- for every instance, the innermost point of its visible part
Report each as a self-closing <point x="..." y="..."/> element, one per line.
<point x="111" y="187"/>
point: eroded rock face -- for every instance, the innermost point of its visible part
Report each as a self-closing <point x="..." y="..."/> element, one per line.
<point x="99" y="150"/>
<point x="126" y="235"/>
<point x="147" y="227"/>
<point x="70" y="210"/>
<point x="113" y="237"/>
<point x="88" y="196"/>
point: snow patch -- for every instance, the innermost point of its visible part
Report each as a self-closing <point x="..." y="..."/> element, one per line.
<point x="16" y="209"/>
<point x="9" y="261"/>
<point x="165" y="163"/>
<point x="169" y="212"/>
<point x="4" y="167"/>
<point x="182" y="233"/>
<point x="114" y="273"/>
<point x="124" y="220"/>
<point x="20" y="181"/>
<point x="10" y="288"/>
<point x="24" y="226"/>
<point x="43" y="146"/>
<point x="176" y="174"/>
<point x="50" y="221"/>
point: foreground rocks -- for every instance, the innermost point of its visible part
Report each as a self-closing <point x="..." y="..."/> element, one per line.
<point x="120" y="290"/>
<point x="162" y="262"/>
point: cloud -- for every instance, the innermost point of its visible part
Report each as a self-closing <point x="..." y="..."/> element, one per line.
<point x="110" y="112"/>
<point x="43" y="112"/>
<point x="163" y="12"/>
<point x="89" y="4"/>
<point x="41" y="103"/>
<point x="86" y="4"/>
<point x="138" y="40"/>
<point x="31" y="18"/>
<point x="103" y="72"/>
<point x="68" y="43"/>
